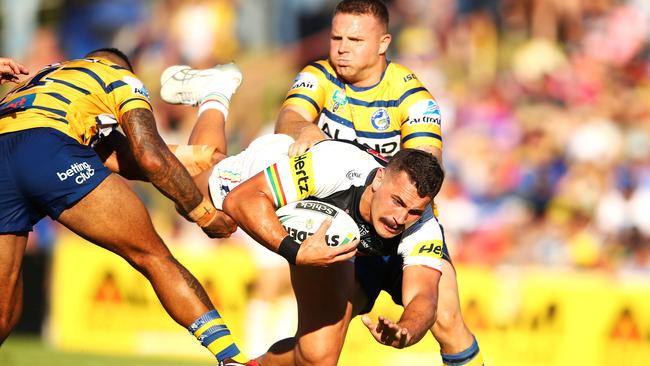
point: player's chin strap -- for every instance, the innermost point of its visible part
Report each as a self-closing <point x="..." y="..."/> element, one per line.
<point x="203" y="214"/>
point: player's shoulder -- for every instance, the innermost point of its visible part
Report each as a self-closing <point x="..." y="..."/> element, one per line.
<point x="403" y="76"/>
<point x="346" y="155"/>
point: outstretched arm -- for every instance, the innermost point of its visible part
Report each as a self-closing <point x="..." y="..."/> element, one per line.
<point x="10" y="69"/>
<point x="296" y="122"/>
<point x="167" y="174"/>
<point x="420" y="298"/>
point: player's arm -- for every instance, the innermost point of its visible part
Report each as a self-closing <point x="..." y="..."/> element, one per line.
<point x="420" y="299"/>
<point x="10" y="69"/>
<point x="297" y="122"/>
<point x="167" y="174"/>
<point x="252" y="207"/>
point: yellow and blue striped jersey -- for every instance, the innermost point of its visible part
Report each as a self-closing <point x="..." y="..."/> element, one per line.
<point x="76" y="97"/>
<point x="398" y="112"/>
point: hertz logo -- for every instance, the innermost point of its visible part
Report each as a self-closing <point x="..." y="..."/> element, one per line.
<point x="428" y="248"/>
<point x="303" y="175"/>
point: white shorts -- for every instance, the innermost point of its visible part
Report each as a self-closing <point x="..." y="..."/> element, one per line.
<point x="261" y="153"/>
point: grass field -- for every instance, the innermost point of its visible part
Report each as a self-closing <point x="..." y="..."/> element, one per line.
<point x="20" y="350"/>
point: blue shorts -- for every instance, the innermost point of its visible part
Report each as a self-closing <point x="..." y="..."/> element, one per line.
<point x="43" y="172"/>
<point x="376" y="273"/>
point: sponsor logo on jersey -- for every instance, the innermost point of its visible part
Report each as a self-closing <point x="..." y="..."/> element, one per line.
<point x="424" y="111"/>
<point x="80" y="172"/>
<point x="409" y="77"/>
<point x="353" y="174"/>
<point x="18" y="104"/>
<point x="318" y="207"/>
<point x="305" y="80"/>
<point x="339" y="100"/>
<point x="428" y="248"/>
<point x="137" y="87"/>
<point x="380" y="119"/>
<point x="303" y="175"/>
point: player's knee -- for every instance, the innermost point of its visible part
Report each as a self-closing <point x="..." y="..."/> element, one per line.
<point x="147" y="262"/>
<point x="321" y="355"/>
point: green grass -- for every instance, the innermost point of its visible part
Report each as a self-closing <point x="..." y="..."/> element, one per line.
<point x="19" y="350"/>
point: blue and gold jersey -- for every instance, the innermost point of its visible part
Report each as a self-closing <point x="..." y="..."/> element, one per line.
<point x="76" y="97"/>
<point x="398" y="112"/>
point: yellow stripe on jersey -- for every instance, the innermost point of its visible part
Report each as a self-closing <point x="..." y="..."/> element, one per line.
<point x="397" y="112"/>
<point x="302" y="173"/>
<point x="70" y="96"/>
<point x="428" y="248"/>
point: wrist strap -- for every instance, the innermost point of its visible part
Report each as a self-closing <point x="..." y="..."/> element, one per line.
<point x="289" y="249"/>
<point x="203" y="213"/>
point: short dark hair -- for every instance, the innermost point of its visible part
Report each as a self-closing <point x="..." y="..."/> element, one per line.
<point x="375" y="8"/>
<point x="423" y="169"/>
<point x="113" y="51"/>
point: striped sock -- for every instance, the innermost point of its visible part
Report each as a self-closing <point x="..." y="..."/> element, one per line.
<point x="469" y="357"/>
<point x="213" y="334"/>
<point x="216" y="101"/>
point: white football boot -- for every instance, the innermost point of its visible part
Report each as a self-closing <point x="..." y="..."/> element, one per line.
<point x="180" y="84"/>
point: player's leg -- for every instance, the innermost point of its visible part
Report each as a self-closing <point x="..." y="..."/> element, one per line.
<point x="125" y="228"/>
<point x="457" y="344"/>
<point x="324" y="297"/>
<point x="12" y="248"/>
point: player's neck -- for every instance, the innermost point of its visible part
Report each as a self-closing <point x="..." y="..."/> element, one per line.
<point x="364" y="204"/>
<point x="371" y="76"/>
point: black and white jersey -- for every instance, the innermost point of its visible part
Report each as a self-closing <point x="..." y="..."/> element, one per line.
<point x="335" y="172"/>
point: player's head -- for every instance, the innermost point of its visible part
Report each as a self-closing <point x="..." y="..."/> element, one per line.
<point x="359" y="39"/>
<point x="403" y="190"/>
<point x="113" y="55"/>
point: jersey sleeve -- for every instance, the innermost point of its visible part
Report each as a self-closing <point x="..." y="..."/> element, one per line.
<point x="422" y="243"/>
<point x="308" y="91"/>
<point x="318" y="173"/>
<point x="128" y="93"/>
<point x="420" y="115"/>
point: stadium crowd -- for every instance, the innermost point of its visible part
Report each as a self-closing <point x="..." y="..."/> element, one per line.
<point x="546" y="119"/>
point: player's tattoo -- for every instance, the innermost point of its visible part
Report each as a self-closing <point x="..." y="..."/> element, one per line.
<point x="170" y="178"/>
<point x="193" y="283"/>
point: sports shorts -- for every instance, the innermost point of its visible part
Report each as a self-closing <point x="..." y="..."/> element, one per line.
<point x="43" y="172"/>
<point x="377" y="273"/>
<point x="231" y="171"/>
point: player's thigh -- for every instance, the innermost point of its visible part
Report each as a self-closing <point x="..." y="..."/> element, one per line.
<point x="12" y="249"/>
<point x="324" y="298"/>
<point x="112" y="216"/>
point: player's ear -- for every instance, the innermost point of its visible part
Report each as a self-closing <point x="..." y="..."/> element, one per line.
<point x="384" y="42"/>
<point x="379" y="177"/>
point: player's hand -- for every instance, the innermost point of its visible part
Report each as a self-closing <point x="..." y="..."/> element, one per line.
<point x="314" y="250"/>
<point x="10" y="69"/>
<point x="221" y="226"/>
<point x="388" y="332"/>
<point x="308" y="137"/>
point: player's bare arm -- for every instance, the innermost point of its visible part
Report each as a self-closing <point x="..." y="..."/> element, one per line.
<point x="420" y="298"/>
<point x="296" y="122"/>
<point x="165" y="172"/>
<point x="10" y="69"/>
<point x="251" y="206"/>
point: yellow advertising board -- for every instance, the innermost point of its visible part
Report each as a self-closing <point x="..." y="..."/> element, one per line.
<point x="522" y="317"/>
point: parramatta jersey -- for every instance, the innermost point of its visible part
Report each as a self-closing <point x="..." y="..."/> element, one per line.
<point x="398" y="112"/>
<point x="338" y="172"/>
<point x="78" y="98"/>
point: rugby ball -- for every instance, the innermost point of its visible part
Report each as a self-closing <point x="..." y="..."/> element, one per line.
<point x="301" y="219"/>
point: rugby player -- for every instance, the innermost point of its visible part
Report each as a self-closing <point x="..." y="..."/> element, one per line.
<point x="47" y="167"/>
<point x="383" y="198"/>
<point x="357" y="94"/>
